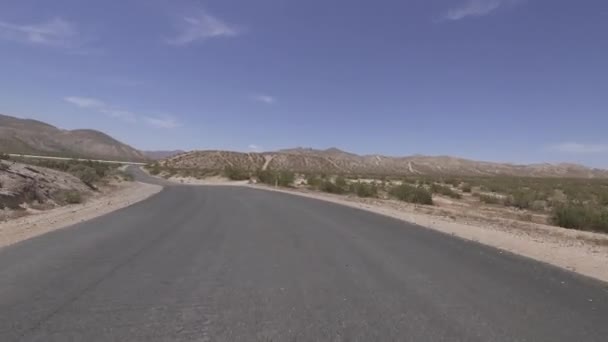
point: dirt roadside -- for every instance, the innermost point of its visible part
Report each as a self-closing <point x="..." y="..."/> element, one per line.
<point x="39" y="222"/>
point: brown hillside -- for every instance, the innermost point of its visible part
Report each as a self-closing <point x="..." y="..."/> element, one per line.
<point x="334" y="161"/>
<point x="24" y="136"/>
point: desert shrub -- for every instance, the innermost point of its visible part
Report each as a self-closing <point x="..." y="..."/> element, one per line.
<point x="581" y="217"/>
<point x="331" y="187"/>
<point x="86" y="174"/>
<point x="153" y="168"/>
<point x="452" y="181"/>
<point x="445" y="190"/>
<point x="364" y="189"/>
<point x="341" y="182"/>
<point x="278" y="178"/>
<point x="490" y="199"/>
<point x="466" y="187"/>
<point x="4" y="156"/>
<point x="233" y="173"/>
<point x="73" y="197"/>
<point x="313" y="180"/>
<point x="125" y="175"/>
<point x="4" y="166"/>
<point x="521" y="199"/>
<point x="412" y="194"/>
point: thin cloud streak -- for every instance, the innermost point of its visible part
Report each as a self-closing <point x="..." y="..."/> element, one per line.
<point x="200" y="28"/>
<point x="165" y="121"/>
<point x="85" y="102"/>
<point x="476" y="8"/>
<point x="580" y="148"/>
<point x="254" y="147"/>
<point x="162" y="122"/>
<point x="56" y="32"/>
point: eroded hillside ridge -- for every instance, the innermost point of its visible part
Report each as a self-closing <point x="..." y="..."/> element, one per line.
<point x="335" y="161"/>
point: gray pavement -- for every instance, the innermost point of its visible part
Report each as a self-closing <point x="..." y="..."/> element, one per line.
<point x="239" y="264"/>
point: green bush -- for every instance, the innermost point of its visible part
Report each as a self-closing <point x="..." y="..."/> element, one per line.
<point x="364" y="189"/>
<point x="236" y="174"/>
<point x="313" y="180"/>
<point x="521" y="199"/>
<point x="445" y="190"/>
<point x="412" y="194"/>
<point x="153" y="168"/>
<point x="341" y="182"/>
<point x="331" y="187"/>
<point x="125" y="175"/>
<point x="73" y="197"/>
<point x="581" y="217"/>
<point x="277" y="178"/>
<point x="86" y="174"/>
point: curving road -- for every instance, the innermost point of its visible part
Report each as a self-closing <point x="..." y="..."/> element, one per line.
<point x="238" y="264"/>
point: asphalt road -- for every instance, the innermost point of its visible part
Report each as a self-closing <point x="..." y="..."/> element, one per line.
<point x="238" y="264"/>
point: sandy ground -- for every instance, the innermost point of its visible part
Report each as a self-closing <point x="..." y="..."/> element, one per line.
<point x="39" y="222"/>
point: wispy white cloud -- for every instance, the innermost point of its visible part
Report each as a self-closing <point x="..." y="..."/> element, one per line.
<point x="254" y="147"/>
<point x="200" y="28"/>
<point x="580" y="148"/>
<point x="55" y="32"/>
<point x="85" y="102"/>
<point x="267" y="99"/>
<point x="164" y="121"/>
<point x="476" y="8"/>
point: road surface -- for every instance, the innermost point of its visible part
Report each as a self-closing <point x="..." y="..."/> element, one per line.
<point x="239" y="264"/>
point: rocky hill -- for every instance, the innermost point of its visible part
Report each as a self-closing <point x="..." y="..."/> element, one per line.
<point x="25" y="136"/>
<point x="157" y="155"/>
<point x="335" y="161"/>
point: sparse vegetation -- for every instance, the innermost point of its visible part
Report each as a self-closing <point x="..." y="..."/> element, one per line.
<point x="413" y="194"/>
<point x="313" y="180"/>
<point x="153" y="168"/>
<point x="4" y="156"/>
<point x="331" y="187"/>
<point x="581" y="217"/>
<point x="73" y="197"/>
<point x="236" y="174"/>
<point x="364" y="189"/>
<point x="490" y="198"/>
<point x="276" y="178"/>
<point x="445" y="190"/>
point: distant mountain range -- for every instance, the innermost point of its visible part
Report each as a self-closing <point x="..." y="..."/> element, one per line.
<point x="335" y="161"/>
<point x="25" y="136"/>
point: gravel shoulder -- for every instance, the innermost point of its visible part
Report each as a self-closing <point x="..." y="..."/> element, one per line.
<point x="39" y="222"/>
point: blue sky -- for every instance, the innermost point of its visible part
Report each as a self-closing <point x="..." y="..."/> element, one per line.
<point x="501" y="80"/>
